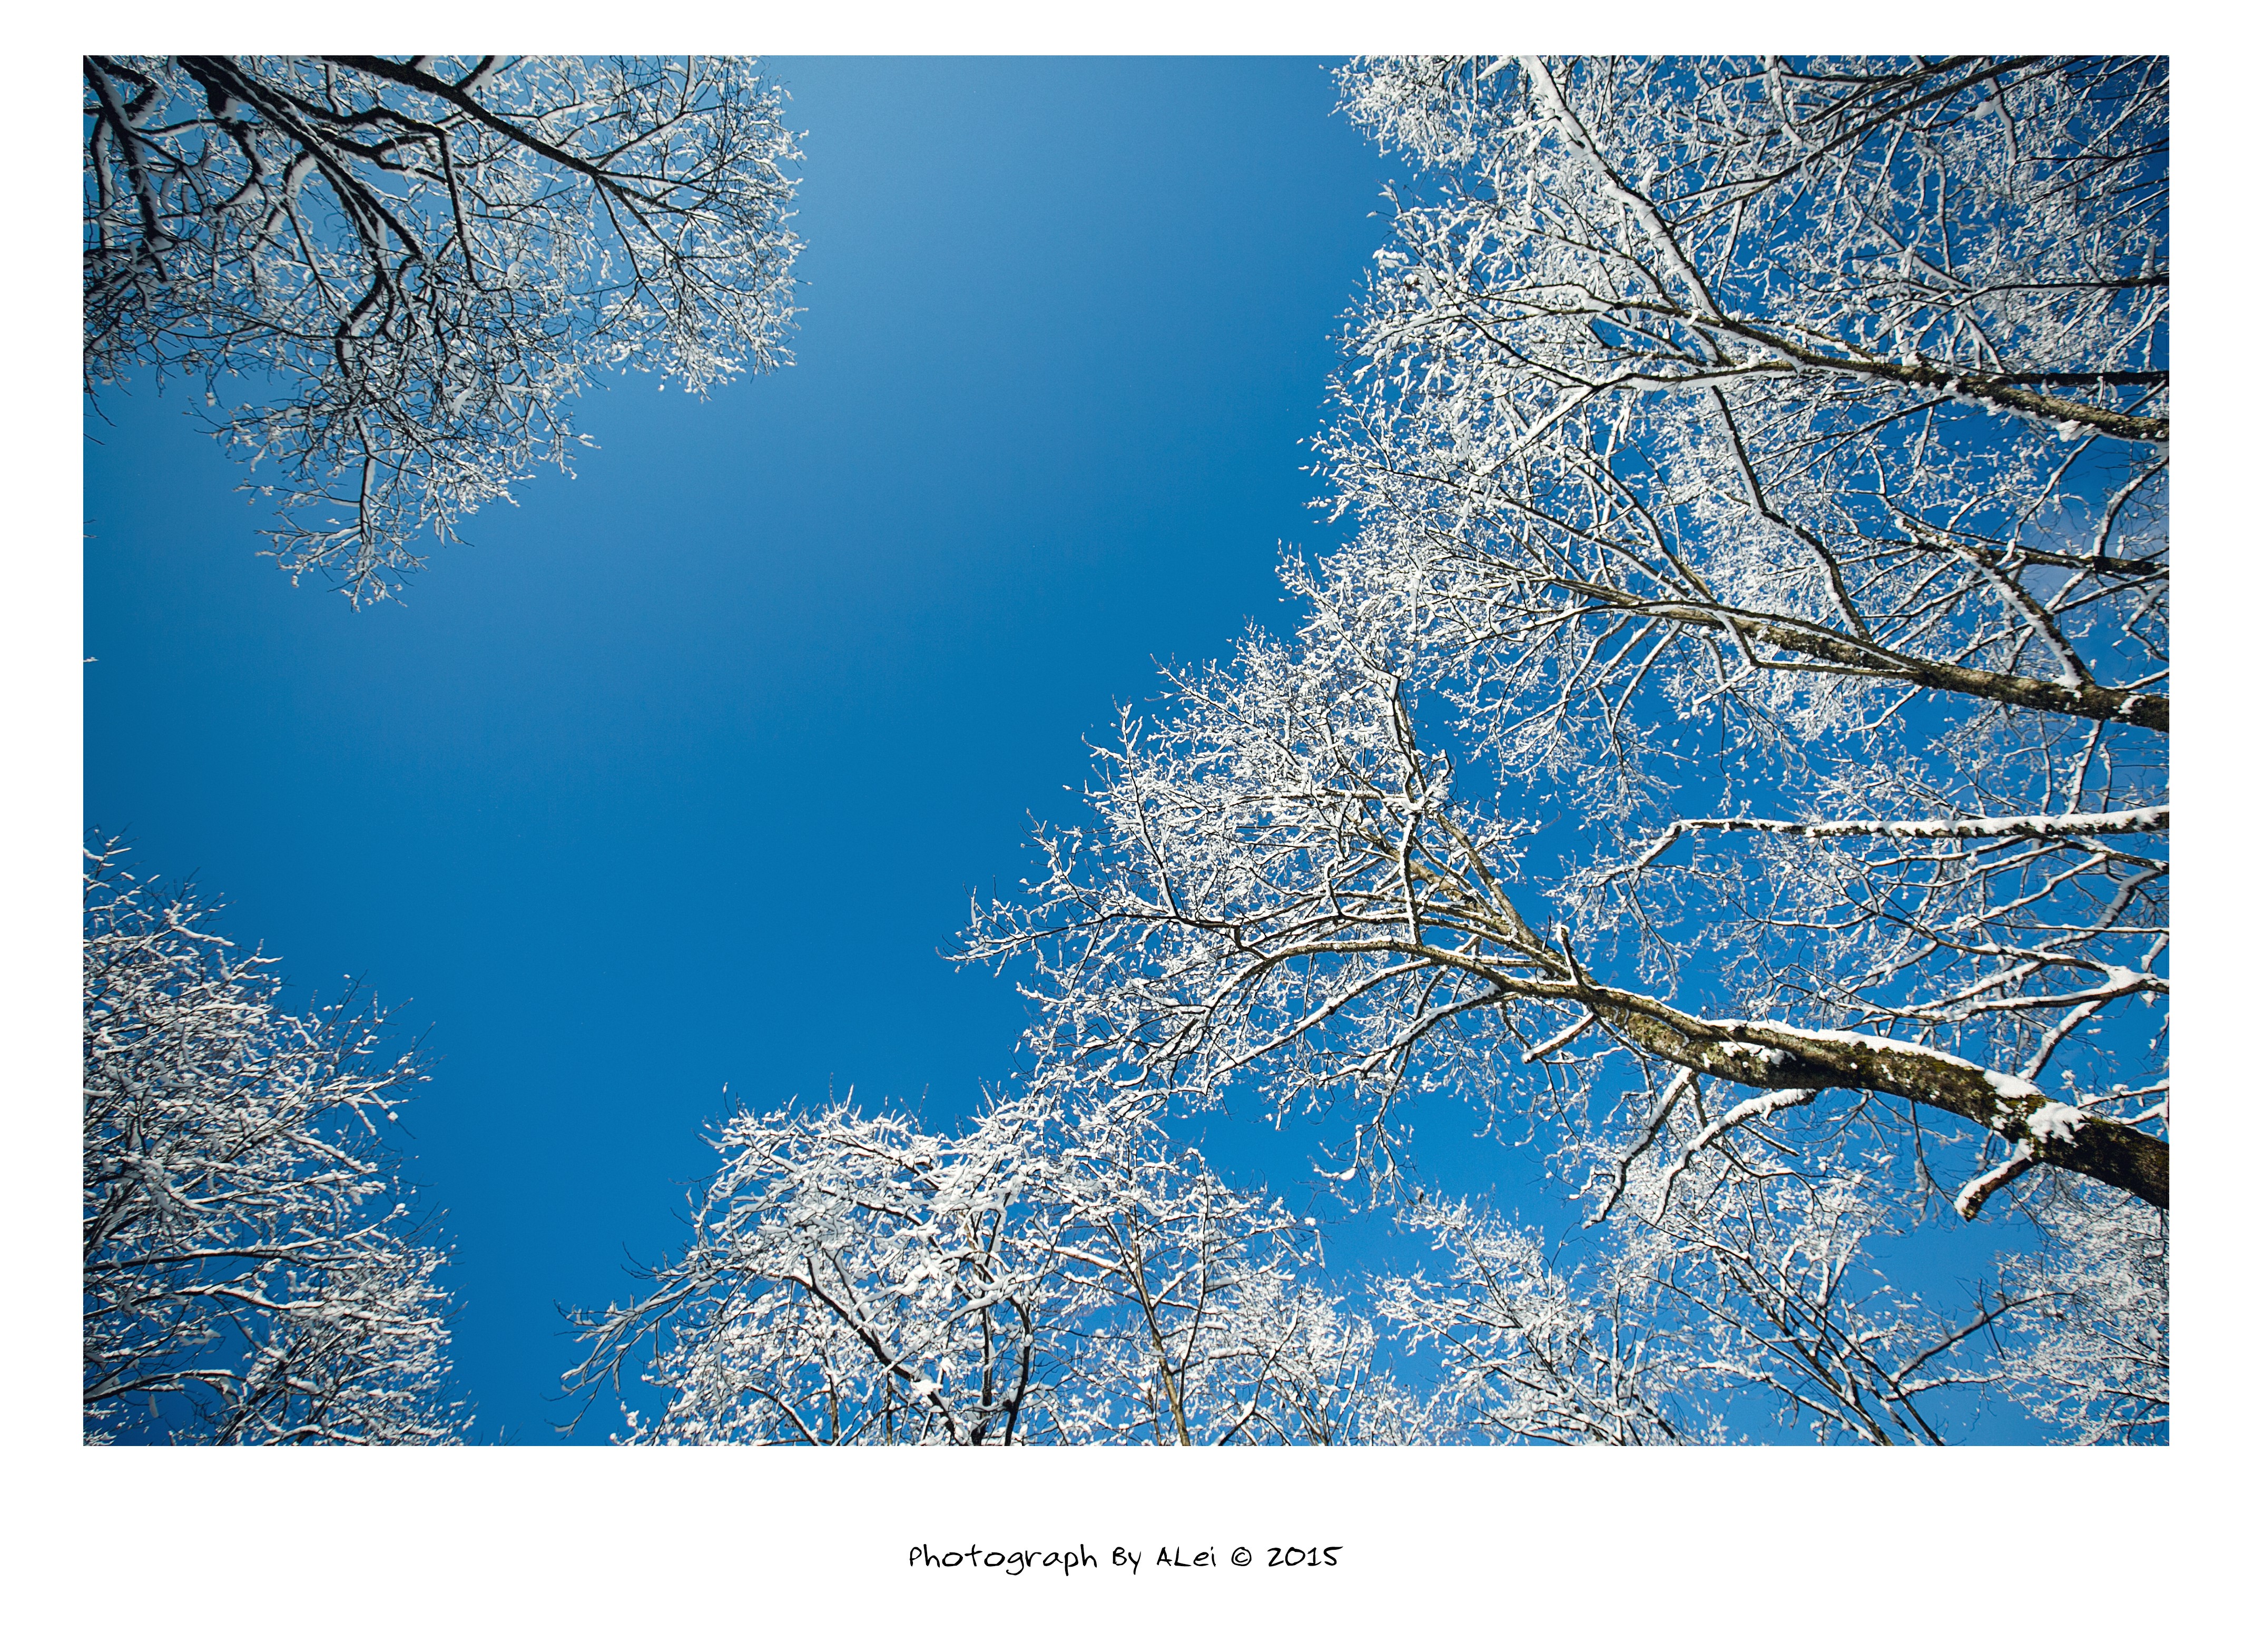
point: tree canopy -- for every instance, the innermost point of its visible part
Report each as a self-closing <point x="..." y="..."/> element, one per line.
<point x="256" y="1270"/>
<point x="392" y="276"/>
<point x="1731" y="747"/>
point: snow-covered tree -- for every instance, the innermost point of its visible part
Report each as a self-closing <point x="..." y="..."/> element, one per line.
<point x="391" y="276"/>
<point x="1039" y="1277"/>
<point x="255" y="1270"/>
<point x="2097" y="1361"/>
<point x="1733" y="742"/>
<point x="1750" y="1296"/>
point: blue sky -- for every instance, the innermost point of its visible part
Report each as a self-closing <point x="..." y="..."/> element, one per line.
<point x="678" y="775"/>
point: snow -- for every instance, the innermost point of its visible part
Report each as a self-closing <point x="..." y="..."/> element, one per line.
<point x="1863" y="1040"/>
<point x="1975" y="1190"/>
<point x="2054" y="1121"/>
